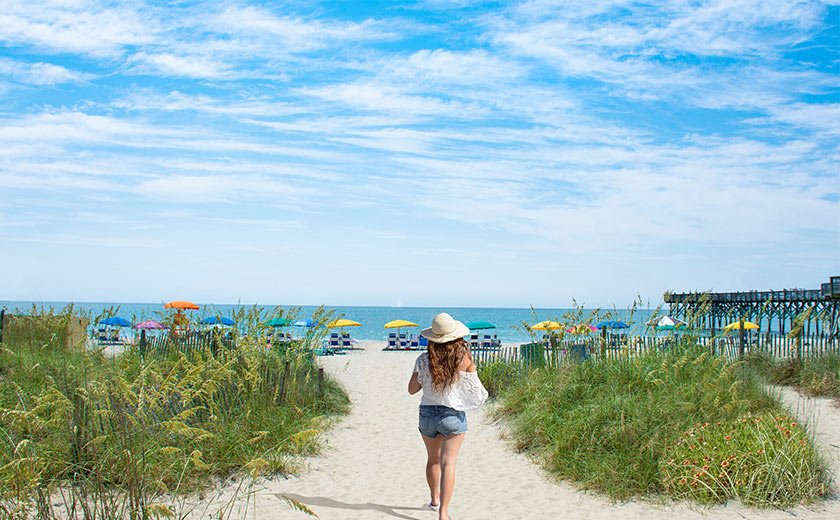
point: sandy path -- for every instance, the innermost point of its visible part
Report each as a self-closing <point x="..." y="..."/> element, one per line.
<point x="373" y="465"/>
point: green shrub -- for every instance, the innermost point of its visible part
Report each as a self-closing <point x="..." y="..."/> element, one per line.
<point x="765" y="460"/>
<point x="609" y="424"/>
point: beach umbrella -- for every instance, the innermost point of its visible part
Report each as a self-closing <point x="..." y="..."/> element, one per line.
<point x="116" y="321"/>
<point x="278" y="322"/>
<point x="305" y="323"/>
<point x="736" y="325"/>
<point x="613" y="325"/>
<point x="342" y="323"/>
<point x="149" y="325"/>
<point x="398" y="324"/>
<point x="215" y="320"/>
<point x="546" y="325"/>
<point x="480" y="325"/>
<point x="666" y="323"/>
<point x="581" y="329"/>
<point x="180" y="304"/>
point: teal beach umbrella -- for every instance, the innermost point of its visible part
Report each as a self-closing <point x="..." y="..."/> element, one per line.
<point x="480" y="325"/>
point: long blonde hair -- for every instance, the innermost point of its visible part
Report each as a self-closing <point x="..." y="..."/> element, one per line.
<point x="444" y="362"/>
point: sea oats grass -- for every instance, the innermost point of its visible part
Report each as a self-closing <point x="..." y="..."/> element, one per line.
<point x="612" y="424"/>
<point x="85" y="436"/>
<point x="816" y="375"/>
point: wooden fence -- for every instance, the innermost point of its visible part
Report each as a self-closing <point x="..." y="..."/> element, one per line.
<point x="501" y="366"/>
<point x="296" y="380"/>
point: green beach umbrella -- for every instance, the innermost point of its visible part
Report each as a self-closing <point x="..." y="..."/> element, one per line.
<point x="480" y="325"/>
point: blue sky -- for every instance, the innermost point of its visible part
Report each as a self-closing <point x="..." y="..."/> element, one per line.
<point x="438" y="153"/>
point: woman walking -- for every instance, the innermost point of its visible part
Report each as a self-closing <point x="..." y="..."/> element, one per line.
<point x="446" y="374"/>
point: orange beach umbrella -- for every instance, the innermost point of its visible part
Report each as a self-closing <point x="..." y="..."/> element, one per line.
<point x="180" y="304"/>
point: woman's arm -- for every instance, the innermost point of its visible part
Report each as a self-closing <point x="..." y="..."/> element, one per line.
<point x="414" y="384"/>
<point x="467" y="364"/>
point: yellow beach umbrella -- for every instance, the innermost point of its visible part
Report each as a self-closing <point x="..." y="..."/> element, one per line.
<point x="735" y="325"/>
<point x="546" y="325"/>
<point x="395" y="324"/>
<point x="343" y="323"/>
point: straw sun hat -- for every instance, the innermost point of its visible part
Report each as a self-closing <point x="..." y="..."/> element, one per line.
<point x="444" y="328"/>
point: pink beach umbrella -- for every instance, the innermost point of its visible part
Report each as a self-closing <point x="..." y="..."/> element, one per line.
<point x="581" y="329"/>
<point x="150" y="325"/>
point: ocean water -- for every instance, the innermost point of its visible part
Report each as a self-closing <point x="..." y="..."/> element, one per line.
<point x="507" y="320"/>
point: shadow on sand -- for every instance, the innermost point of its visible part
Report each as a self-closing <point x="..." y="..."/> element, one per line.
<point x="368" y="506"/>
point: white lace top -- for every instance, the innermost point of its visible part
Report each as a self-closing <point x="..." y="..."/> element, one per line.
<point x="466" y="394"/>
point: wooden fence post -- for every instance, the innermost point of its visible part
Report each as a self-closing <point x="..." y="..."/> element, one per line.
<point x="320" y="381"/>
<point x="2" y="319"/>
<point x="282" y="390"/>
<point x="742" y="338"/>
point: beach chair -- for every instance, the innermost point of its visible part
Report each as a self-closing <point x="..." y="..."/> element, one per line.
<point x="346" y="342"/>
<point x="392" y="342"/>
<point x="474" y="340"/>
<point x="403" y="341"/>
<point x="485" y="342"/>
<point x="334" y="343"/>
<point x="414" y="343"/>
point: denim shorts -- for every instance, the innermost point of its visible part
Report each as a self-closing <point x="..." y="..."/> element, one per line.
<point x="441" y="420"/>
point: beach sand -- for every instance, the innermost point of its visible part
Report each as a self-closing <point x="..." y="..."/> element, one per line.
<point x="373" y="464"/>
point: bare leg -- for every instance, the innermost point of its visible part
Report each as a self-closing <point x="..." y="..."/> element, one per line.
<point x="433" y="466"/>
<point x="449" y="448"/>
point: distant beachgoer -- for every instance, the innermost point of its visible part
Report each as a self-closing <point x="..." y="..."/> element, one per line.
<point x="446" y="374"/>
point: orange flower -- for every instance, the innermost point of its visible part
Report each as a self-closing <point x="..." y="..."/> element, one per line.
<point x="760" y="451"/>
<point x="724" y="463"/>
<point x="728" y="437"/>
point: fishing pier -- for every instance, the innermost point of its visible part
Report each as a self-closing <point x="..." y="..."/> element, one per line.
<point x="795" y="312"/>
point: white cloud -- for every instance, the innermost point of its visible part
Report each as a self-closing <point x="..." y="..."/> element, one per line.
<point x="79" y="26"/>
<point x="40" y="73"/>
<point x="168" y="64"/>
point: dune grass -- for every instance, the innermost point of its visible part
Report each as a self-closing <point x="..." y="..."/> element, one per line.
<point x="816" y="375"/>
<point x="613" y="425"/>
<point x="124" y="437"/>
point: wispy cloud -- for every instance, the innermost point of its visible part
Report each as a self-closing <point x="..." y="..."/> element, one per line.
<point x="40" y="73"/>
<point x="596" y="145"/>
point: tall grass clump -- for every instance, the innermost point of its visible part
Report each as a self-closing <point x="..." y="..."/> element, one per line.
<point x="85" y="436"/>
<point x="817" y="375"/>
<point x="613" y="425"/>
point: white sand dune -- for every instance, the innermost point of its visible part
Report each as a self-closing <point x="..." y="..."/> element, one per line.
<point x="373" y="465"/>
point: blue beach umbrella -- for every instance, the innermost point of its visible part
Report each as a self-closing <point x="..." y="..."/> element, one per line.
<point x="116" y="321"/>
<point x="612" y="324"/>
<point x="305" y="323"/>
<point x="215" y="320"/>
